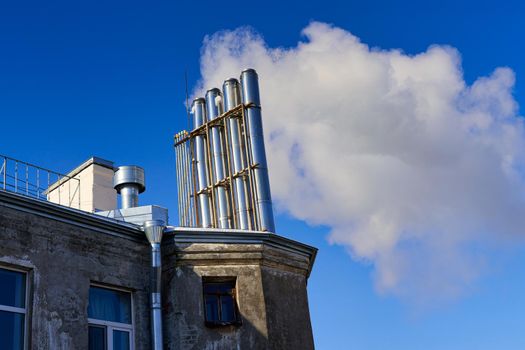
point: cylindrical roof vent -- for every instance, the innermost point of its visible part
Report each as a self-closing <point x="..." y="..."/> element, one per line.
<point x="129" y="182"/>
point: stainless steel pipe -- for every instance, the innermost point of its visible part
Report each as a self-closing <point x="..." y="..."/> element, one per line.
<point x="184" y="182"/>
<point x="154" y="230"/>
<point x="250" y="96"/>
<point x="178" y="168"/>
<point x="199" y="118"/>
<point x="222" y="168"/>
<point x="187" y="182"/>
<point x="232" y="98"/>
<point x="218" y="158"/>
<point x="129" y="196"/>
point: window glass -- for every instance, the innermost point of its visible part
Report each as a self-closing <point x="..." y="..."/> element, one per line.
<point x="120" y="340"/>
<point x="11" y="330"/>
<point x="218" y="288"/>
<point x="227" y="309"/>
<point x="13" y="290"/>
<point x="109" y="313"/>
<point x="212" y="308"/>
<point x="97" y="338"/>
<point x="109" y="305"/>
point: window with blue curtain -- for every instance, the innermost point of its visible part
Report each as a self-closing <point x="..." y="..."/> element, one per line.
<point x="12" y="309"/>
<point x="109" y="305"/>
<point x="110" y="319"/>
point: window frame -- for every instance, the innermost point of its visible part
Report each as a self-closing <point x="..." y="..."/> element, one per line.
<point x="111" y="326"/>
<point x="26" y="310"/>
<point x="237" y="320"/>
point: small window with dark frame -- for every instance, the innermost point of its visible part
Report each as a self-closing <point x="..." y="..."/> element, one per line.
<point x="220" y="302"/>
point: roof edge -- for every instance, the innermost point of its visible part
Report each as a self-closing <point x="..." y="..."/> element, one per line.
<point x="71" y="216"/>
<point x="196" y="235"/>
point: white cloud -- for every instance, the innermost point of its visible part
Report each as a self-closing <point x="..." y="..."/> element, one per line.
<point x="412" y="169"/>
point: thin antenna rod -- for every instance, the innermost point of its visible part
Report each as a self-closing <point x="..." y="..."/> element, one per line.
<point x="187" y="98"/>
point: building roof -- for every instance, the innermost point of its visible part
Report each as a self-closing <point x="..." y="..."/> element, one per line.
<point x="173" y="234"/>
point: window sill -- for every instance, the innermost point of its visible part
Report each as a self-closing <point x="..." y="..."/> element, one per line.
<point x="219" y="324"/>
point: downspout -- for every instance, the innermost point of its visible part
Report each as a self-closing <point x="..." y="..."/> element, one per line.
<point x="154" y="230"/>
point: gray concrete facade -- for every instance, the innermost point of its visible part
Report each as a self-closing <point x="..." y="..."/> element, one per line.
<point x="271" y="274"/>
<point x="65" y="251"/>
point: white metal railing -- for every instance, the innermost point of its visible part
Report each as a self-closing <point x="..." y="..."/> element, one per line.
<point x="37" y="182"/>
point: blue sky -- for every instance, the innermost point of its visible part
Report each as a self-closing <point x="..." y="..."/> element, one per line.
<point x="92" y="78"/>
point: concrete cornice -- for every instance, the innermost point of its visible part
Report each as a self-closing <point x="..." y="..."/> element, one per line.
<point x="71" y="216"/>
<point x="176" y="235"/>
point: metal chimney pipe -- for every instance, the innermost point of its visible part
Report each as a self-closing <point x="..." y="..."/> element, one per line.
<point x="184" y="181"/>
<point x="154" y="230"/>
<point x="219" y="170"/>
<point x="250" y="96"/>
<point x="129" y="182"/>
<point x="232" y="98"/>
<point x="199" y="118"/>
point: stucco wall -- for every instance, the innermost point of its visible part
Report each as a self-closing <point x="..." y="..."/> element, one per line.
<point x="271" y="292"/>
<point x="63" y="260"/>
<point x="91" y="189"/>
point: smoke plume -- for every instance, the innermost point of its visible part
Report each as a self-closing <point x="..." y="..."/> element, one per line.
<point x="413" y="170"/>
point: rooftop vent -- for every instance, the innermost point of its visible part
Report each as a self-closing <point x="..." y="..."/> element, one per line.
<point x="129" y="183"/>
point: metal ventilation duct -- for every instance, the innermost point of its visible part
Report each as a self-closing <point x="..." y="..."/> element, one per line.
<point x="129" y="182"/>
<point x="257" y="154"/>
<point x="232" y="99"/>
<point x="201" y="155"/>
<point x="185" y="182"/>
<point x="218" y="158"/>
<point x="222" y="174"/>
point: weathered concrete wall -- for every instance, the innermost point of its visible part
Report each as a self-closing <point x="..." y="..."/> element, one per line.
<point x="286" y="302"/>
<point x="284" y="282"/>
<point x="63" y="260"/>
<point x="271" y="292"/>
<point x="184" y="321"/>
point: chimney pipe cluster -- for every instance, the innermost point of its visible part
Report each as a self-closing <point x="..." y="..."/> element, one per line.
<point x="222" y="172"/>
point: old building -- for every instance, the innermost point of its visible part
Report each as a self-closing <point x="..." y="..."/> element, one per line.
<point x="53" y="259"/>
<point x="78" y="273"/>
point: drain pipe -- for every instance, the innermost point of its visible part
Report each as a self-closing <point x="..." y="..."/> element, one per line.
<point x="154" y="230"/>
